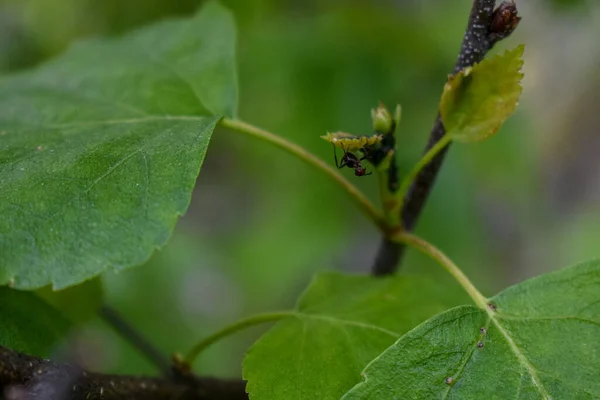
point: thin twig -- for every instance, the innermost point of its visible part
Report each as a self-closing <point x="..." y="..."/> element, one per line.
<point x="24" y="377"/>
<point x="233" y="328"/>
<point x="480" y="36"/>
<point x="133" y="337"/>
<point x="359" y="198"/>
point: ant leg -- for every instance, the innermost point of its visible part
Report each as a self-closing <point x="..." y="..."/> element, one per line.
<point x="344" y="162"/>
<point x="337" y="163"/>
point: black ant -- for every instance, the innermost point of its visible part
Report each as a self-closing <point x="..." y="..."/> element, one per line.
<point x="351" y="160"/>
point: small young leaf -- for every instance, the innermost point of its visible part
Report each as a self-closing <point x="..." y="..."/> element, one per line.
<point x="478" y="100"/>
<point x="28" y="324"/>
<point x="538" y="340"/>
<point x="100" y="148"/>
<point x="78" y="303"/>
<point x="349" y="142"/>
<point x="342" y="323"/>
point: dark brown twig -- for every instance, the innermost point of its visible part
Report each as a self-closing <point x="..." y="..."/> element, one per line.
<point x="485" y="28"/>
<point x="24" y="377"/>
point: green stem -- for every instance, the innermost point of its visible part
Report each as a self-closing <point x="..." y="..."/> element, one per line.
<point x="384" y="193"/>
<point x="426" y="159"/>
<point x="359" y="198"/>
<point x="388" y="198"/>
<point x="233" y="328"/>
<point x="436" y="254"/>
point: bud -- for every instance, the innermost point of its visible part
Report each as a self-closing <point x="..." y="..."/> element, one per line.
<point x="504" y="19"/>
<point x="382" y="119"/>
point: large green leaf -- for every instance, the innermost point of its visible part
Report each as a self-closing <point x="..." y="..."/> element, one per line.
<point x="100" y="149"/>
<point x="542" y="341"/>
<point x="478" y="99"/>
<point x="27" y="324"/>
<point x="342" y="323"/>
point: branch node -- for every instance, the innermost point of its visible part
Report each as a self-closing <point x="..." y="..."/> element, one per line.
<point x="487" y="26"/>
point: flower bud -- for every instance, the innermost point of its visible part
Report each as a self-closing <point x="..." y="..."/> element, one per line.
<point x="382" y="119"/>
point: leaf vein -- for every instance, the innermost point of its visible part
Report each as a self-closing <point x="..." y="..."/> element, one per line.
<point x="349" y="323"/>
<point x="464" y="363"/>
<point x="111" y="170"/>
<point x="520" y="357"/>
<point x="125" y="121"/>
<point x="185" y="80"/>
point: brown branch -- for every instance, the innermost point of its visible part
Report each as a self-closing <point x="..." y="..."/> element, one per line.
<point x="485" y="28"/>
<point x="24" y="377"/>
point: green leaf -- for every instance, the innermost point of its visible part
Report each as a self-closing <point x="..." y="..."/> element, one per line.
<point x="78" y="303"/>
<point x="478" y="100"/>
<point x="342" y="323"/>
<point x="100" y="148"/>
<point x="28" y="324"/>
<point x="541" y="341"/>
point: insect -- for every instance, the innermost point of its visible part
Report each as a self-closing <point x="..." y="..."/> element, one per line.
<point x="351" y="160"/>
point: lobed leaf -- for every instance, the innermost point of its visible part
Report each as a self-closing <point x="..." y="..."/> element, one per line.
<point x="100" y="148"/>
<point x="342" y="322"/>
<point x="477" y="100"/>
<point x="539" y="340"/>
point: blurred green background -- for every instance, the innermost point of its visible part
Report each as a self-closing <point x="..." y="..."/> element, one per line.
<point x="261" y="223"/>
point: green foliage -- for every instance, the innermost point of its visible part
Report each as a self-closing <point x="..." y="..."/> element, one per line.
<point x="101" y="147"/>
<point x="99" y="152"/>
<point x="542" y="341"/>
<point x="478" y="100"/>
<point x="78" y="303"/>
<point x="28" y="324"/>
<point x="342" y="323"/>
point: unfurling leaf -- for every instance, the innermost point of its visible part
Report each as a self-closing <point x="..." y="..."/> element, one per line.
<point x="382" y="119"/>
<point x="349" y="142"/>
<point x="100" y="148"/>
<point x="477" y="100"/>
<point x="538" y="340"/>
<point x="341" y="324"/>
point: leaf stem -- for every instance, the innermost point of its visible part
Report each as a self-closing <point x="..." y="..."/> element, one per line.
<point x="359" y="198"/>
<point x="388" y="198"/>
<point x="436" y="254"/>
<point x="422" y="163"/>
<point x="233" y="328"/>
